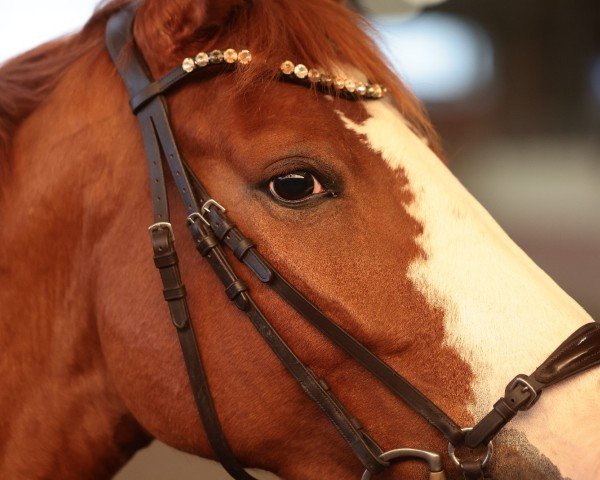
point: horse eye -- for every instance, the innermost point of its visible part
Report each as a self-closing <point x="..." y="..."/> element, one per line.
<point x="295" y="186"/>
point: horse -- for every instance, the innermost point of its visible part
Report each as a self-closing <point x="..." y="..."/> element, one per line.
<point x="381" y="237"/>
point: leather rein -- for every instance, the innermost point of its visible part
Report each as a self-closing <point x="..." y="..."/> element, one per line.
<point x="212" y="231"/>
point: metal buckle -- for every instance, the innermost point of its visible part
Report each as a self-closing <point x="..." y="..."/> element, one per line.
<point x="206" y="206"/>
<point x="527" y="386"/>
<point x="192" y="217"/>
<point x="434" y="461"/>
<point x="484" y="461"/>
<point x="159" y="225"/>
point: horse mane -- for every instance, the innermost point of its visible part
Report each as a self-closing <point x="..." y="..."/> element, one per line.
<point x="26" y="80"/>
<point x="318" y="33"/>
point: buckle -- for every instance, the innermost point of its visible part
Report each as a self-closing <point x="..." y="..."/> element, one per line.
<point x="520" y="380"/>
<point x="210" y="202"/>
<point x="192" y="217"/>
<point x="160" y="225"/>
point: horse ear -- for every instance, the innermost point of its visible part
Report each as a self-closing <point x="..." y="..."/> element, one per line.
<point x="164" y="30"/>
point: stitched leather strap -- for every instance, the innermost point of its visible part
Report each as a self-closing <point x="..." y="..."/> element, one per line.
<point x="351" y="430"/>
<point x="577" y="353"/>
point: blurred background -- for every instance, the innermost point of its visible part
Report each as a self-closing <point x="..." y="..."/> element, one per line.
<point x="513" y="87"/>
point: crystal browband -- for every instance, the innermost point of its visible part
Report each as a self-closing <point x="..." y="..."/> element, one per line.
<point x="328" y="81"/>
<point x="243" y="57"/>
<point x="289" y="70"/>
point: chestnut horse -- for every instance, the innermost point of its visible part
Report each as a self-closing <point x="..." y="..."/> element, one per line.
<point x="399" y="254"/>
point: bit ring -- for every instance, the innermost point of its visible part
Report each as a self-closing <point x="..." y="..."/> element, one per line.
<point x="434" y="461"/>
<point x="486" y="457"/>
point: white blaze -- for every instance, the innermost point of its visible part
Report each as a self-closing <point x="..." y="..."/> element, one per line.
<point x="504" y="315"/>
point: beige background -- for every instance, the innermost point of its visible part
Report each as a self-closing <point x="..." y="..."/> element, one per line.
<point x="161" y="462"/>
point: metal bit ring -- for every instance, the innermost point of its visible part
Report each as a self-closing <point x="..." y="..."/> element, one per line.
<point x="486" y="457"/>
<point x="433" y="460"/>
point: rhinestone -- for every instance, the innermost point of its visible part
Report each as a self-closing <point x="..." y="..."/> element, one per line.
<point x="370" y="90"/>
<point x="244" y="57"/>
<point x="202" y="59"/>
<point x="188" y="65"/>
<point x="216" y="56"/>
<point x="314" y="75"/>
<point x="326" y="80"/>
<point x="287" y="67"/>
<point x="361" y="88"/>
<point x="300" y="71"/>
<point x="377" y="91"/>
<point x="338" y="83"/>
<point x="350" y="86"/>
<point x="230" y="55"/>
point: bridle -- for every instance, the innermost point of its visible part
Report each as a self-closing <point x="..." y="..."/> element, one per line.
<point x="212" y="231"/>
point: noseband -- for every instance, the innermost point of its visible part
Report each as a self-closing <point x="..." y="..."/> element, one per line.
<point x="212" y="231"/>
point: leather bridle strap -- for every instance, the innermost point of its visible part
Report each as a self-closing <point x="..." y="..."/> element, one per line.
<point x="316" y="388"/>
<point x="158" y="137"/>
<point x="245" y="251"/>
<point x="577" y="353"/>
<point x="165" y="256"/>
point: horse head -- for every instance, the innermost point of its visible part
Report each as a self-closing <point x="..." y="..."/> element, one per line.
<point x="348" y="198"/>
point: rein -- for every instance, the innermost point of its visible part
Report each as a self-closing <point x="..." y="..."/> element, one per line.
<point x="212" y="231"/>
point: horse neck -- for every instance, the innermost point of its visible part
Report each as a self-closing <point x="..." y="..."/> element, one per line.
<point x="58" y="401"/>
